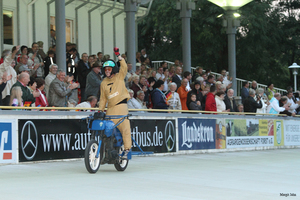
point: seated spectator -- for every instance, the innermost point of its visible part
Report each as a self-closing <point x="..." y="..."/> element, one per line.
<point x="250" y="104"/>
<point x="210" y="80"/>
<point x="240" y="108"/>
<point x="50" y="77"/>
<point x="32" y="85"/>
<point x="140" y="98"/>
<point x="58" y="91"/>
<point x="135" y="86"/>
<point x="188" y="76"/>
<point x="284" y="101"/>
<point x="49" y="60"/>
<point x="73" y="99"/>
<point x="260" y="92"/>
<point x="16" y="96"/>
<point x="210" y="103"/>
<point x="158" y="97"/>
<point x="195" y="90"/>
<point x="132" y="102"/>
<point x="183" y="91"/>
<point x="173" y="98"/>
<point x="22" y="82"/>
<point x="38" y="60"/>
<point x="219" y="97"/>
<point x="270" y="91"/>
<point x="163" y="74"/>
<point x="194" y="105"/>
<point x="3" y="82"/>
<point x="293" y="104"/>
<point x="90" y="102"/>
<point x="230" y="101"/>
<point x="274" y="107"/>
<point x="204" y="94"/>
<point x="245" y="91"/>
<point x="254" y="85"/>
<point x="24" y="50"/>
<point x="42" y="99"/>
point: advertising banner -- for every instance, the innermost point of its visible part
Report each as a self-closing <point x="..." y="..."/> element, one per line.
<point x="194" y="134"/>
<point x="220" y="134"/>
<point x="8" y="141"/>
<point x="44" y="139"/>
<point x="278" y="133"/>
<point x="158" y="136"/>
<point x="291" y="133"/>
<point x="248" y="133"/>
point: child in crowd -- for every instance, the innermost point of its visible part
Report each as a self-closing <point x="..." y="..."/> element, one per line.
<point x="16" y="96"/>
<point x="194" y="105"/>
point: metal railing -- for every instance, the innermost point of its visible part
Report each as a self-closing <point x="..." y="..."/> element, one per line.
<point x="239" y="81"/>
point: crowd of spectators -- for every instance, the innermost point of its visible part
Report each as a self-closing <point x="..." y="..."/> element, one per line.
<point x="30" y="77"/>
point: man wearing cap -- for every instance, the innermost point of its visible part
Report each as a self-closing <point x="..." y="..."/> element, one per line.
<point x="114" y="93"/>
<point x="93" y="81"/>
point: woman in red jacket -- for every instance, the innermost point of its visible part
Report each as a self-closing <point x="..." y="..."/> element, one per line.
<point x="210" y="104"/>
<point x="42" y="99"/>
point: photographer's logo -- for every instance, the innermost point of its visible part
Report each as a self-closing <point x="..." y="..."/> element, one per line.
<point x="29" y="140"/>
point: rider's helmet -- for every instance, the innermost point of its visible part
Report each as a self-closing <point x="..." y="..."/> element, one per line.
<point x="110" y="63"/>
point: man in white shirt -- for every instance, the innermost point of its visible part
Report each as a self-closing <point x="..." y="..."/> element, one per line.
<point x="90" y="102"/>
<point x="293" y="105"/>
<point x="50" y="77"/>
<point x="163" y="74"/>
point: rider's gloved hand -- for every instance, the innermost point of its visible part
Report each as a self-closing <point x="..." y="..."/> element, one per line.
<point x="116" y="50"/>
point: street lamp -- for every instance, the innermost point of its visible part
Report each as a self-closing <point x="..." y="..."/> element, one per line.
<point x="231" y="6"/>
<point x="295" y="68"/>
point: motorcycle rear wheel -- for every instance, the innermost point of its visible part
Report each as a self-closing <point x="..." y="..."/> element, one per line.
<point x="121" y="164"/>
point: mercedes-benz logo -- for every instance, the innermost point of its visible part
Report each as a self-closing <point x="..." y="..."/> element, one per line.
<point x="30" y="147"/>
<point x="170" y="135"/>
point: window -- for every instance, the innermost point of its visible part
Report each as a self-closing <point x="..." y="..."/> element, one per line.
<point x="69" y="28"/>
<point x="8" y="27"/>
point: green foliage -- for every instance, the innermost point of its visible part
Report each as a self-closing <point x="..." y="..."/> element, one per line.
<point x="267" y="41"/>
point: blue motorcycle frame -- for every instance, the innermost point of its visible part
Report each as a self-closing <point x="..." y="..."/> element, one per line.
<point x="109" y="149"/>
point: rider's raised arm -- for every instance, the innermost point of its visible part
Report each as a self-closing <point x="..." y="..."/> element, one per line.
<point x="103" y="98"/>
<point x="123" y="68"/>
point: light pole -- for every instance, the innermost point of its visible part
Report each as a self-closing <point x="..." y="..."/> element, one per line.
<point x="231" y="6"/>
<point x="295" y="68"/>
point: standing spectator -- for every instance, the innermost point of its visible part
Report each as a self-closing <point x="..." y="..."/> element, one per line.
<point x="148" y="63"/>
<point x="42" y="99"/>
<point x="245" y="91"/>
<point x="197" y="73"/>
<point x="210" y="79"/>
<point x="270" y="91"/>
<point x="188" y="76"/>
<point x="210" y="103"/>
<point x="274" y="108"/>
<point x="260" y="92"/>
<point x="174" y="99"/>
<point x="3" y="81"/>
<point x="135" y="86"/>
<point x="58" y="91"/>
<point x="83" y="70"/>
<point x="99" y="58"/>
<point x="197" y="92"/>
<point x="93" y="81"/>
<point x="293" y="104"/>
<point x="250" y="104"/>
<point x="254" y="85"/>
<point x="145" y="88"/>
<point x="53" y="37"/>
<point x="144" y="55"/>
<point x="8" y="76"/>
<point x="16" y="97"/>
<point x="22" y="82"/>
<point x="41" y="49"/>
<point x="158" y="97"/>
<point x="230" y="101"/>
<point x="183" y="91"/>
<point x="140" y="98"/>
<point x="49" y="60"/>
<point x="50" y="77"/>
<point x="38" y="60"/>
<point x="171" y="72"/>
<point x="221" y="107"/>
<point x="24" y="50"/>
<point x="163" y="74"/>
<point x="28" y="67"/>
<point x="177" y="78"/>
<point x="138" y="57"/>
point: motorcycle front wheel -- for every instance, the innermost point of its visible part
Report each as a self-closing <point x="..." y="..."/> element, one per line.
<point x="92" y="163"/>
<point x="121" y="164"/>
